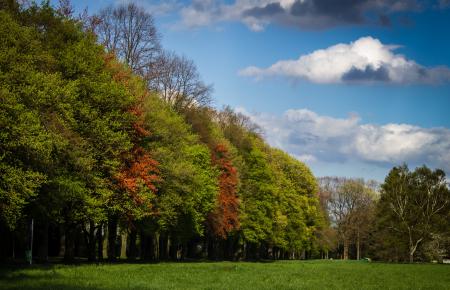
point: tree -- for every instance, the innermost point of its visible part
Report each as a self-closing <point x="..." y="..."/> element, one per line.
<point x="414" y="205"/>
<point x="298" y="218"/>
<point x="129" y="32"/>
<point x="24" y="142"/>
<point x="225" y="217"/>
<point x="349" y="208"/>
<point x="189" y="186"/>
<point x="178" y="82"/>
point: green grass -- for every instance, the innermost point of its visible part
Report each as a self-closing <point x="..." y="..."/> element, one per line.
<point x="229" y="275"/>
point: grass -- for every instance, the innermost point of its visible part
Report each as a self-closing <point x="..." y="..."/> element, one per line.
<point x="230" y="275"/>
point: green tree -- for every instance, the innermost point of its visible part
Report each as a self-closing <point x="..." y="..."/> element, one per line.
<point x="414" y="205"/>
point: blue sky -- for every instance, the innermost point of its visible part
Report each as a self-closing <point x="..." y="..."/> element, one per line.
<point x="356" y="109"/>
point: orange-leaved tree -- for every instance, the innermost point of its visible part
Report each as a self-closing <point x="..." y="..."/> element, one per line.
<point x="225" y="217"/>
<point x="138" y="175"/>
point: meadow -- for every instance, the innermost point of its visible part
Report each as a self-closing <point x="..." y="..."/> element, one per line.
<point x="229" y="275"/>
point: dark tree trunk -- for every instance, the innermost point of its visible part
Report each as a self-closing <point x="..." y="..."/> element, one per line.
<point x="132" y="252"/>
<point x="145" y="247"/>
<point x="69" y="253"/>
<point x="90" y="242"/>
<point x="151" y="247"/>
<point x="78" y="239"/>
<point x="112" y="237"/>
<point x="173" y="247"/>
<point x="163" y="246"/>
<point x="99" y="238"/>
<point x="43" y="242"/>
<point x="211" y="252"/>
<point x="62" y="242"/>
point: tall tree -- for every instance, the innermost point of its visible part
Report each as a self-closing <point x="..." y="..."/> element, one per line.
<point x="414" y="205"/>
<point x="349" y="208"/>
<point x="129" y="32"/>
<point x="225" y="217"/>
<point x="177" y="80"/>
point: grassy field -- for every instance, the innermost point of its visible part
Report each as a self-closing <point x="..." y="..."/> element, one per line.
<point x="228" y="275"/>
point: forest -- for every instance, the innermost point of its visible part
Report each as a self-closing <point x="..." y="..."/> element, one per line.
<point x="111" y="148"/>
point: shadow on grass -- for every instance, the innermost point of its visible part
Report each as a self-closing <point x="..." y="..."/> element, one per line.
<point x="45" y="277"/>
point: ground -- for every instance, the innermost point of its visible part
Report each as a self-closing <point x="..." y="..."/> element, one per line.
<point x="229" y="275"/>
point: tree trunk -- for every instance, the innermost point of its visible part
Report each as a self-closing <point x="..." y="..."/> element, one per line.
<point x="163" y="246"/>
<point x="143" y="244"/>
<point x="43" y="242"/>
<point x="69" y="253"/>
<point x="358" y="247"/>
<point x="132" y="253"/>
<point x="151" y="247"/>
<point x="105" y="241"/>
<point x="91" y="242"/>
<point x="210" y="247"/>
<point x="123" y="245"/>
<point x="100" y="242"/>
<point x="62" y="242"/>
<point x="112" y="236"/>
<point x="157" y="245"/>
<point x="346" y="245"/>
<point x="412" y="245"/>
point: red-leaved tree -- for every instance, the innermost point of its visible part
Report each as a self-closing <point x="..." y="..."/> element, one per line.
<point x="224" y="219"/>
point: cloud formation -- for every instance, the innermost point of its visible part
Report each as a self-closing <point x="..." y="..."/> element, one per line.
<point x="365" y="60"/>
<point x="312" y="137"/>
<point x="309" y="14"/>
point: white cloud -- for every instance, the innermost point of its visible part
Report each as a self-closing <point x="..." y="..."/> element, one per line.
<point x="312" y="137"/>
<point x="365" y="60"/>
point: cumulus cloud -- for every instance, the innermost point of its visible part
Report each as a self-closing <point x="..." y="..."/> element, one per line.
<point x="365" y="60"/>
<point x="312" y="137"/>
<point x="310" y="14"/>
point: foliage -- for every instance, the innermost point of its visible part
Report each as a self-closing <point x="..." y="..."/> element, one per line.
<point x="413" y="207"/>
<point x="123" y="135"/>
<point x="225" y="217"/>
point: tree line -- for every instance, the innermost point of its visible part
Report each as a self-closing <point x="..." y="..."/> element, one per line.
<point x="110" y="149"/>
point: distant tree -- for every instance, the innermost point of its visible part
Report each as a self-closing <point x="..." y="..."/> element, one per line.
<point x="349" y="206"/>
<point x="177" y="80"/>
<point x="129" y="32"/>
<point x="414" y="206"/>
<point x="298" y="218"/>
<point x="237" y="128"/>
<point x="65" y="8"/>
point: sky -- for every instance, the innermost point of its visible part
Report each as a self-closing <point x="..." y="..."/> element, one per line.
<point x="350" y="87"/>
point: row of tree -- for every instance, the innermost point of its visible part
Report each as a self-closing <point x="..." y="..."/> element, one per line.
<point x="109" y="148"/>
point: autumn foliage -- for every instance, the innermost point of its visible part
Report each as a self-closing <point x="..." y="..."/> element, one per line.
<point x="224" y="219"/>
<point x="142" y="168"/>
<point x="139" y="167"/>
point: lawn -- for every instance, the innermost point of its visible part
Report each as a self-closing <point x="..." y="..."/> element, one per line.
<point x="230" y="275"/>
